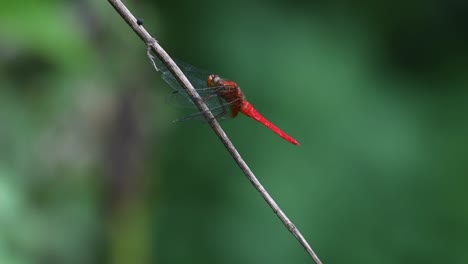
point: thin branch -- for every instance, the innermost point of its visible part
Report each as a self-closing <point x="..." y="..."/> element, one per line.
<point x="184" y="82"/>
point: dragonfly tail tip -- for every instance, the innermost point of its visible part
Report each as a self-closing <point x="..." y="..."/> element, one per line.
<point x="295" y="142"/>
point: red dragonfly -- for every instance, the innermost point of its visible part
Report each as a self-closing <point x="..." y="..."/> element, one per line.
<point x="222" y="96"/>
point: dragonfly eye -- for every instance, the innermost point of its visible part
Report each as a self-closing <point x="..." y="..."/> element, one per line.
<point x="213" y="80"/>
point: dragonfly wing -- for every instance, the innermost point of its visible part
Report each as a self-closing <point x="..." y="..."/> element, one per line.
<point x="169" y="79"/>
<point x="197" y="77"/>
<point x="179" y="99"/>
<point x="209" y="96"/>
<point x="220" y="113"/>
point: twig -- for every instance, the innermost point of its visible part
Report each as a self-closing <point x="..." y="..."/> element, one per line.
<point x="184" y="82"/>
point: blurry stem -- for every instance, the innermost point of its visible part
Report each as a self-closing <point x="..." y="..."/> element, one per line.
<point x="184" y="82"/>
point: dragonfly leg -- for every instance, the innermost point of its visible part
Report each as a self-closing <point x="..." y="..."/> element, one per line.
<point x="219" y="111"/>
<point x="223" y="112"/>
<point x="209" y="97"/>
<point x="218" y="115"/>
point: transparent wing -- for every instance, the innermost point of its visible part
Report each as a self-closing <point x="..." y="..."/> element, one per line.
<point x="221" y="112"/>
<point x="198" y="77"/>
<point x="181" y="99"/>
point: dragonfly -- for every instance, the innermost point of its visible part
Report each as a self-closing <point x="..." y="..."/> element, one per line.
<point x="223" y="97"/>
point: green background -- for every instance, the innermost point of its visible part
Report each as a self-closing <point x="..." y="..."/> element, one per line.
<point x="93" y="170"/>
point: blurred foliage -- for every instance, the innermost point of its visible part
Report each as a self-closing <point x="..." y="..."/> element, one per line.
<point x="92" y="170"/>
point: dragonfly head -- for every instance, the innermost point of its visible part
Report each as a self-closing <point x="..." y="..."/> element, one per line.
<point x="213" y="80"/>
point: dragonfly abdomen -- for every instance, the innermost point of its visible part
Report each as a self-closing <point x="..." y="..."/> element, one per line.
<point x="248" y="110"/>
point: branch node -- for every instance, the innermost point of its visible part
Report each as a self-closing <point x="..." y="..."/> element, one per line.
<point x="150" y="56"/>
